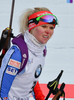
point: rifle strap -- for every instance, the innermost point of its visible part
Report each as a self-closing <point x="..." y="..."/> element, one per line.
<point x="19" y="41"/>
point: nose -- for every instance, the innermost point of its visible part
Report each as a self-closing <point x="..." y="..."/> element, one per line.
<point x="47" y="31"/>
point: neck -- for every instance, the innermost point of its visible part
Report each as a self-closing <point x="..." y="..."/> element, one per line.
<point x="33" y="44"/>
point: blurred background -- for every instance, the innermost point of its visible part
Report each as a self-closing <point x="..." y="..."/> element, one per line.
<point x="60" y="48"/>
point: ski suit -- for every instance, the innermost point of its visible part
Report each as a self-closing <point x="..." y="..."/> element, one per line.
<point x="20" y="86"/>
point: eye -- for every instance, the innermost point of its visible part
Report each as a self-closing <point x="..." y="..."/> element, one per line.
<point x="52" y="27"/>
<point x="44" y="26"/>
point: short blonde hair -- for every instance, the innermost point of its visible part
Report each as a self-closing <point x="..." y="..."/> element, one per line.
<point x="24" y="17"/>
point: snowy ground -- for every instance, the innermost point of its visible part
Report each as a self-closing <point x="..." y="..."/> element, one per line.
<point x="60" y="55"/>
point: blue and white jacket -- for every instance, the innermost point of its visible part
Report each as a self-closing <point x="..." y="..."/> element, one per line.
<point x="19" y="78"/>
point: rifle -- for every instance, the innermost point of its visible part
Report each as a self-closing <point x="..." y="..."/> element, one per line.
<point x="6" y="36"/>
<point x="53" y="88"/>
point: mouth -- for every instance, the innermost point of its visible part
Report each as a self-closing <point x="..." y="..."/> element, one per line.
<point x="45" y="36"/>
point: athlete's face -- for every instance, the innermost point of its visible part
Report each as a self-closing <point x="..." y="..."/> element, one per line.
<point x="43" y="32"/>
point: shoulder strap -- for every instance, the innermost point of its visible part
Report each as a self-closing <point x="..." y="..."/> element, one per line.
<point x="19" y="41"/>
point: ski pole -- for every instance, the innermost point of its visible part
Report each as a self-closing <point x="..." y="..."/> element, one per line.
<point x="52" y="86"/>
<point x="60" y="93"/>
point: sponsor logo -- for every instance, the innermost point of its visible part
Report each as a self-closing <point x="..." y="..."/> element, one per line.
<point x="42" y="14"/>
<point x="24" y="55"/>
<point x="14" y="63"/>
<point x="5" y="98"/>
<point x="24" y="58"/>
<point x="38" y="71"/>
<point x="32" y="25"/>
<point x="11" y="71"/>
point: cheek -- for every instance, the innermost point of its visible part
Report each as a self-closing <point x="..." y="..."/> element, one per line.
<point x="39" y="30"/>
<point x="38" y="33"/>
<point x="52" y="32"/>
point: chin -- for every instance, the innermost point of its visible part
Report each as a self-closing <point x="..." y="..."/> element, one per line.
<point x="44" y="42"/>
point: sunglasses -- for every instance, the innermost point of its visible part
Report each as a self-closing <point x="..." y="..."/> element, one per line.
<point x="48" y="18"/>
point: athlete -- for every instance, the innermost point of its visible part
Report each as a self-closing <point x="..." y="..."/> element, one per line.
<point x="23" y="63"/>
